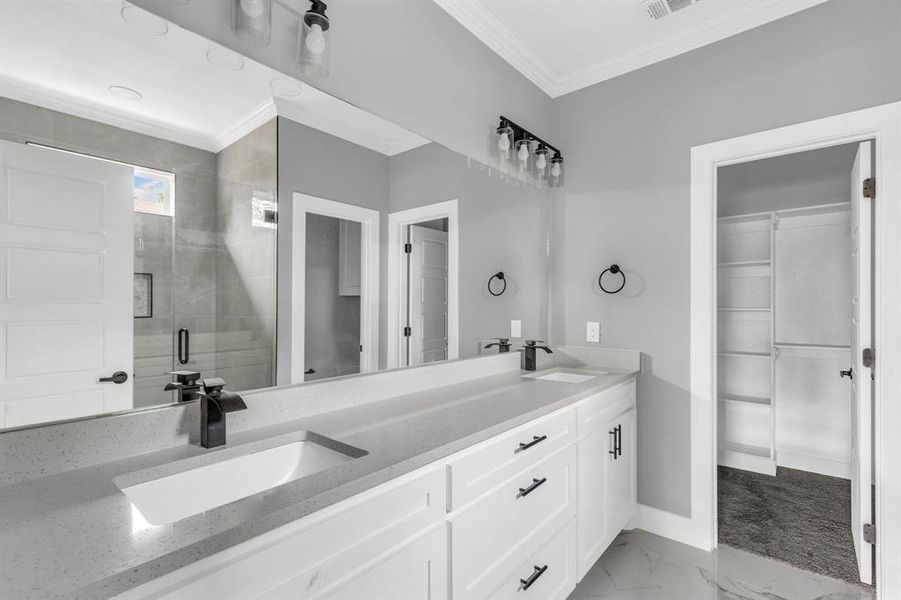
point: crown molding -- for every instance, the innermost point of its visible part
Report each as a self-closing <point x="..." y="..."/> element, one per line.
<point x="485" y="26"/>
<point x="50" y="99"/>
<point x="263" y="113"/>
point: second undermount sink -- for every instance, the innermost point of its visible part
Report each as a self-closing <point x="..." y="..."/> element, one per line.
<point x="563" y="376"/>
<point x="173" y="497"/>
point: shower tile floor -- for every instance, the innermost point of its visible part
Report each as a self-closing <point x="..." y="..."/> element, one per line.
<point x="642" y="566"/>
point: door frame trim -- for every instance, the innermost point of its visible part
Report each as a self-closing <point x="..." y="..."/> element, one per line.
<point x="397" y="222"/>
<point x="883" y="125"/>
<point x="369" y="278"/>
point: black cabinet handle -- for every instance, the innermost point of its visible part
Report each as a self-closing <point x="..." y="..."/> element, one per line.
<point x="613" y="444"/>
<point x="619" y="440"/>
<point x="536" y="483"/>
<point x="538" y="572"/>
<point x="536" y="439"/>
<point x="184" y="345"/>
<point x="117" y="377"/>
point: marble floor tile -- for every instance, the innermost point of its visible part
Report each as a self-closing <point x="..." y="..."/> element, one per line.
<point x="642" y="566"/>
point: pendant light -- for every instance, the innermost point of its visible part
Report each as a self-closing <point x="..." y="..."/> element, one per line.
<point x="313" y="48"/>
<point x="556" y="167"/>
<point x="504" y="140"/>
<point x="252" y="21"/>
<point x="523" y="152"/>
<point x="541" y="159"/>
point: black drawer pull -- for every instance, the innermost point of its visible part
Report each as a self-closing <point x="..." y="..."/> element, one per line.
<point x="538" y="572"/>
<point x="613" y="444"/>
<point x="536" y="483"/>
<point x="536" y="439"/>
<point x="619" y="440"/>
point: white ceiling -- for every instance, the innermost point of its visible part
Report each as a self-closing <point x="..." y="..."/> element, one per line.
<point x="64" y="54"/>
<point x="566" y="45"/>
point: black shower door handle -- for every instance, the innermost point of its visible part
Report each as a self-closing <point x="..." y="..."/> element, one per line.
<point x="184" y="346"/>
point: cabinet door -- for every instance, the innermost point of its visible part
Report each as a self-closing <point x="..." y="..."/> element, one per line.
<point x="418" y="572"/>
<point x="592" y="481"/>
<point x="621" y="483"/>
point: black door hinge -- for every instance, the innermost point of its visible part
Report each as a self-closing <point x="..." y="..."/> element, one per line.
<point x="408" y="248"/>
<point x="869" y="533"/>
<point x="869" y="357"/>
<point x="869" y="187"/>
<point x="407" y="332"/>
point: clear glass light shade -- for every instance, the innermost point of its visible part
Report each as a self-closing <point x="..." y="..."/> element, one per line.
<point x="541" y="160"/>
<point x="504" y="141"/>
<point x="252" y="21"/>
<point x="523" y="152"/>
<point x="313" y="48"/>
<point x="556" y="169"/>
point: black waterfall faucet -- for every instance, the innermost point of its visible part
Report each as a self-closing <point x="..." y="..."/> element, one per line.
<point x="530" y="361"/>
<point x="215" y="402"/>
<point x="503" y="345"/>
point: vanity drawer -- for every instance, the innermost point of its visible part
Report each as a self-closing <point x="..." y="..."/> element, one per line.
<point x="597" y="410"/>
<point x="475" y="471"/>
<point x="493" y="536"/>
<point x="551" y="571"/>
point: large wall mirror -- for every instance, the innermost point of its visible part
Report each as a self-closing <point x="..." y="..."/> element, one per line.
<point x="169" y="205"/>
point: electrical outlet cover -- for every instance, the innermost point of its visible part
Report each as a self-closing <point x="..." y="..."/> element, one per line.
<point x="515" y="328"/>
<point x="593" y="331"/>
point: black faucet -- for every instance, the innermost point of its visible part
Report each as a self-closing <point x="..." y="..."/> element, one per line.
<point x="528" y="353"/>
<point x="503" y="344"/>
<point x="214" y="403"/>
<point x="186" y="384"/>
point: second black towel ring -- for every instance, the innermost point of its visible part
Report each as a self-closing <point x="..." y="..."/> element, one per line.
<point x="614" y="269"/>
<point x="499" y="275"/>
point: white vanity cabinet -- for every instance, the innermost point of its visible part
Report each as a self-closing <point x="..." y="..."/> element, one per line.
<point x="522" y="515"/>
<point x="607" y="479"/>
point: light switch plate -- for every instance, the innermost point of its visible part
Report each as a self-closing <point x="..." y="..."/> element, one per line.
<point x="593" y="331"/>
<point x="515" y="328"/>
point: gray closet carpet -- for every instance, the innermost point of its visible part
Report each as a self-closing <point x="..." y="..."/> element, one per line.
<point x="801" y="518"/>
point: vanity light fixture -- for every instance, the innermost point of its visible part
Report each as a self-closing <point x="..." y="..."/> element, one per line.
<point x="527" y="144"/>
<point x="252" y="21"/>
<point x="312" y="43"/>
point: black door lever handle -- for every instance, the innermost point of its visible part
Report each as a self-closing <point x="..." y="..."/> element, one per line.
<point x="849" y="373"/>
<point x="117" y="377"/>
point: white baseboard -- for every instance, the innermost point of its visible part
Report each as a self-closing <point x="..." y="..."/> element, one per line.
<point x="669" y="525"/>
<point x="746" y="462"/>
<point x="814" y="464"/>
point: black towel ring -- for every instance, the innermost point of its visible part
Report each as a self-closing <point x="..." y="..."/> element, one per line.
<point x="498" y="275"/>
<point x="614" y="269"/>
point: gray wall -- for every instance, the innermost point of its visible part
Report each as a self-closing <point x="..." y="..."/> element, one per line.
<point x="805" y="179"/>
<point x="316" y="163"/>
<point x="627" y="144"/>
<point x="503" y="227"/>
<point x="332" y="321"/>
<point x="408" y="62"/>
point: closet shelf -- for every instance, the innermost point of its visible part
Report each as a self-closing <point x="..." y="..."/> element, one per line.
<point x="745" y="263"/>
<point x="745" y="449"/>
<point x="751" y="354"/>
<point x="813" y="346"/>
<point x="748" y="399"/>
<point x="736" y="309"/>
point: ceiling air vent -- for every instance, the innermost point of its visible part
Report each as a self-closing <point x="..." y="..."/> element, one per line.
<point x="659" y="9"/>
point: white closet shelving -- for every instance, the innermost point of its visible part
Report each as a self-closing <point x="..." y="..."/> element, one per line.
<point x="782" y="337"/>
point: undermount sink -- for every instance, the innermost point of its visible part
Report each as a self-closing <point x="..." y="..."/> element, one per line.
<point x="566" y="376"/>
<point x="195" y="490"/>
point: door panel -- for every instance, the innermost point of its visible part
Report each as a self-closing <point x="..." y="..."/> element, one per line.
<point x="427" y="295"/>
<point x="66" y="256"/>
<point x="861" y="383"/>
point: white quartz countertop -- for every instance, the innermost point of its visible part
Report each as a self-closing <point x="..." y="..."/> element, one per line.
<point x="72" y="534"/>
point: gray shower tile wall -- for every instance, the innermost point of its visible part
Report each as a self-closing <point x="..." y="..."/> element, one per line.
<point x="182" y="254"/>
<point x="246" y="261"/>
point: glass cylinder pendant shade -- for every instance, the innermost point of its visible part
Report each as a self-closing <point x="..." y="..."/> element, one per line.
<point x="313" y="48"/>
<point x="252" y="21"/>
<point x="504" y="141"/>
<point x="523" y="152"/>
<point x="541" y="160"/>
<point x="556" y="169"/>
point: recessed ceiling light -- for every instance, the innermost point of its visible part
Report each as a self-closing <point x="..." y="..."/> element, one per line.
<point x="284" y="87"/>
<point x="225" y="59"/>
<point x="125" y="92"/>
<point x="143" y="21"/>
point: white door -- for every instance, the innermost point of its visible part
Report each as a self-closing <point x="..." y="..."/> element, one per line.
<point x="861" y="382"/>
<point x="66" y="258"/>
<point x="427" y="295"/>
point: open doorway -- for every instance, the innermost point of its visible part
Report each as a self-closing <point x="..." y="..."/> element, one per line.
<point x="423" y="283"/>
<point x="794" y="313"/>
